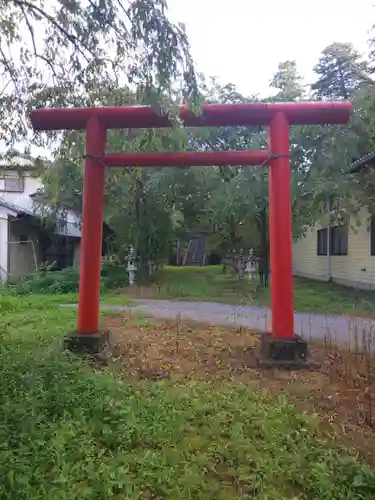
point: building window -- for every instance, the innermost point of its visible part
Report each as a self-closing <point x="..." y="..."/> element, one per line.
<point x="12" y="183"/>
<point x="339" y="240"/>
<point x="322" y="242"/>
<point x="372" y="235"/>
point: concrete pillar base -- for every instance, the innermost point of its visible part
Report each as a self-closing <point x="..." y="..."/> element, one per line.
<point x="86" y="343"/>
<point x="285" y="354"/>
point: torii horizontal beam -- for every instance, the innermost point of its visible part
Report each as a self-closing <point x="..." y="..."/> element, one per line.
<point x="186" y="159"/>
<point x="211" y="115"/>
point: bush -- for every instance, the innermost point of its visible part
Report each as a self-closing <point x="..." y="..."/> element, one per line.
<point x="214" y="259"/>
<point x="66" y="280"/>
<point x="47" y="281"/>
<point x="9" y="304"/>
<point x="114" y="275"/>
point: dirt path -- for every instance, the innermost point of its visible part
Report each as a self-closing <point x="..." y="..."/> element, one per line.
<point x="314" y="326"/>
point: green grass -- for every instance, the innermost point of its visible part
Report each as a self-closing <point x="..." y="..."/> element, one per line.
<point x="212" y="285"/>
<point x="69" y="432"/>
<point x="202" y="283"/>
<point x="327" y="298"/>
<point x="72" y="298"/>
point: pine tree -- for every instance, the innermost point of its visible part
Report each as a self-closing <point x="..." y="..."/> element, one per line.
<point x="341" y="72"/>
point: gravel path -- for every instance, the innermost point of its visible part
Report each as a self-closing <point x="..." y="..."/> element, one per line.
<point x="310" y="326"/>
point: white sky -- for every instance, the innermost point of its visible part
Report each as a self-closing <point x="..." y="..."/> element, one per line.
<point x="243" y="41"/>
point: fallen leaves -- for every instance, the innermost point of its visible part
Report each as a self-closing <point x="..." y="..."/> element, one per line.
<point x="184" y="350"/>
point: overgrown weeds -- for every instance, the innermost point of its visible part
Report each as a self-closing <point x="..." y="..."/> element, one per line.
<point x="68" y="431"/>
<point x="352" y="364"/>
<point x="64" y="281"/>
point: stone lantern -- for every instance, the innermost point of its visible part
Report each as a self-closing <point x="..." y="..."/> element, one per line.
<point x="251" y="265"/>
<point x="132" y="265"/>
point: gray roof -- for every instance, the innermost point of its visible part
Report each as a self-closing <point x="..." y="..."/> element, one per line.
<point x="368" y="160"/>
<point x="64" y="228"/>
<point x="15" y="208"/>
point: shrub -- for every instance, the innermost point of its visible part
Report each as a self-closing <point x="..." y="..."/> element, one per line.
<point x="47" y="281"/>
<point x="66" y="280"/>
<point x="9" y="304"/>
<point x="114" y="275"/>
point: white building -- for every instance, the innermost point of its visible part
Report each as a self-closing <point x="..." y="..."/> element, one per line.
<point x="24" y="243"/>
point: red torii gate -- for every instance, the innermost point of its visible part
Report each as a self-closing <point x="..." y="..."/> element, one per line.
<point x="278" y="116"/>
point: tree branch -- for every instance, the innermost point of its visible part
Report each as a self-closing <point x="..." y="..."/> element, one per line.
<point x="73" y="39"/>
<point x="36" y="54"/>
<point x="8" y="67"/>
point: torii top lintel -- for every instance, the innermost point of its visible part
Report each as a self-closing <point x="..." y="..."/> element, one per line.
<point x="211" y="115"/>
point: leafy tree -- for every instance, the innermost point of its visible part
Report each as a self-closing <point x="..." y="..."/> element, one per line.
<point x="288" y="81"/>
<point x="143" y="207"/>
<point x="107" y="52"/>
<point x="238" y="204"/>
<point x="58" y="52"/>
<point x="148" y="207"/>
<point x="228" y="212"/>
<point x="325" y="152"/>
<point x="341" y="72"/>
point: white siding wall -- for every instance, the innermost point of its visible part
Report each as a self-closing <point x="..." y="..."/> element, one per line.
<point x="356" y="269"/>
<point x="306" y="262"/>
<point x="23" y="200"/>
<point x="3" y="244"/>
